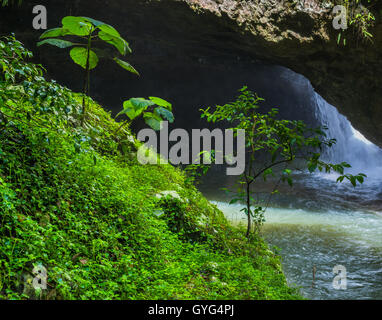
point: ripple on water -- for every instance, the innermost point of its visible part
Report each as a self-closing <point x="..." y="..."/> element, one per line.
<point x="323" y="240"/>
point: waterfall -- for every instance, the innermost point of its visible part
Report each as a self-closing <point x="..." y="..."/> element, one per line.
<point x="351" y="145"/>
<point x="319" y="222"/>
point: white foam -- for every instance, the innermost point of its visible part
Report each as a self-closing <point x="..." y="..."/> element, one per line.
<point x="361" y="226"/>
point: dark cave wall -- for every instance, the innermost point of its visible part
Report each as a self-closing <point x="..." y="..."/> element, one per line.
<point x="198" y="53"/>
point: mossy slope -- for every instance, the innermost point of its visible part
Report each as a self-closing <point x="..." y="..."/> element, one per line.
<point x="75" y="200"/>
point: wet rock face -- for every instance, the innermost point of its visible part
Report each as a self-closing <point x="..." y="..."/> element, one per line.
<point x="300" y="36"/>
<point x="199" y="52"/>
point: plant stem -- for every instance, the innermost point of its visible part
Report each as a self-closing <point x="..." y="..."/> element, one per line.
<point x="86" y="79"/>
<point x="248" y="210"/>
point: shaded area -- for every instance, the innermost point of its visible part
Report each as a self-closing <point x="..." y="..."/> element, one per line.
<point x="188" y="52"/>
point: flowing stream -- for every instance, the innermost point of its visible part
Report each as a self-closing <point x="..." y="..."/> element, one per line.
<point x="319" y="224"/>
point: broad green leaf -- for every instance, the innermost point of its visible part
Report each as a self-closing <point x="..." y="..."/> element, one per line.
<point x="94" y="22"/>
<point x="126" y="66"/>
<point x="153" y="121"/>
<point x="164" y="114"/>
<point x="79" y="56"/>
<point x="109" y="30"/>
<point x="127" y="106"/>
<point x="140" y="103"/>
<point x="161" y="102"/>
<point x="77" y="25"/>
<point x="130" y="110"/>
<point x="120" y="44"/>
<point x="56" y="32"/>
<point x="134" y="107"/>
<point x="138" y="111"/>
<point x="56" y="42"/>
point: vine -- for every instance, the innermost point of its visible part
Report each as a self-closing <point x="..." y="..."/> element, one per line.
<point x="360" y="18"/>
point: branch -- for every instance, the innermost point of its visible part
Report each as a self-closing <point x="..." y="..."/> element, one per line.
<point x="268" y="167"/>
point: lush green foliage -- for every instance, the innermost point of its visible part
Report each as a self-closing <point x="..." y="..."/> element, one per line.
<point x="8" y="2"/>
<point x="74" y="199"/>
<point x="195" y="171"/>
<point x="83" y="53"/>
<point x="89" y="30"/>
<point x="360" y="19"/>
<point x="154" y="111"/>
<point x="272" y="143"/>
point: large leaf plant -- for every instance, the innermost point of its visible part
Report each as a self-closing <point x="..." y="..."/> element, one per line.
<point x="86" y="32"/>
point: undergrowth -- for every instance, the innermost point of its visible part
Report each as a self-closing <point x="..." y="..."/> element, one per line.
<point x="74" y="200"/>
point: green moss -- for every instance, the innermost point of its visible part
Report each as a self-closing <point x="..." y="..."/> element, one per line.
<point x="75" y="200"/>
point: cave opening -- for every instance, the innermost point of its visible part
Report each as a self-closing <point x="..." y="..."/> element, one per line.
<point x="199" y="60"/>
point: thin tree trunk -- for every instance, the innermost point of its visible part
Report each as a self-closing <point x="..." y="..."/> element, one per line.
<point x="248" y="211"/>
<point x="86" y="81"/>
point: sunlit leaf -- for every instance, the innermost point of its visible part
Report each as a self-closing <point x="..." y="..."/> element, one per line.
<point x="77" y="25"/>
<point x="109" y="30"/>
<point x="161" y="102"/>
<point x="119" y="43"/>
<point x="79" y="56"/>
<point x="131" y="110"/>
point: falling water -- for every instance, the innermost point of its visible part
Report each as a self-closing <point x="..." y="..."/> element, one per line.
<point x="351" y="145"/>
<point x="320" y="223"/>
